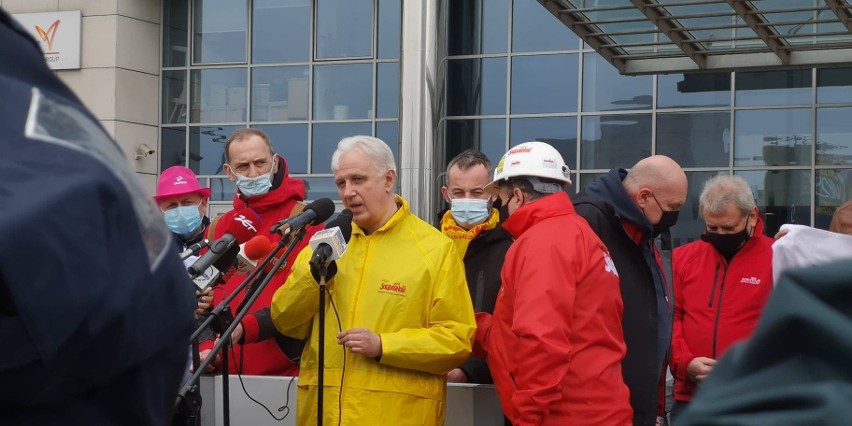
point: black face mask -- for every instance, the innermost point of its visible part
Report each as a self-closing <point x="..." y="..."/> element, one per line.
<point x="667" y="220"/>
<point x="727" y="244"/>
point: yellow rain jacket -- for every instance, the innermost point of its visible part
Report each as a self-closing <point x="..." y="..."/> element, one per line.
<point x="405" y="282"/>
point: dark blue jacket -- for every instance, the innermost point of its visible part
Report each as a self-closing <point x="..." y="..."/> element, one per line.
<point x="96" y="309"/>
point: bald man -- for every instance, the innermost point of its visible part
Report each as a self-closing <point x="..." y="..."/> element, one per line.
<point x="628" y="210"/>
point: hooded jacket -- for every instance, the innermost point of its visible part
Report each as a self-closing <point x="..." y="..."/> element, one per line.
<point x="405" y="282"/>
<point x="607" y="206"/>
<point x="716" y="303"/>
<point x="554" y="343"/>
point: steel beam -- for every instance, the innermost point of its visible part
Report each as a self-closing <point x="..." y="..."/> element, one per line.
<point x="752" y="17"/>
<point x="671" y="28"/>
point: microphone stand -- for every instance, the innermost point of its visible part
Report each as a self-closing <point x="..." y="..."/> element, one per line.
<point x="322" y="268"/>
<point x="181" y="400"/>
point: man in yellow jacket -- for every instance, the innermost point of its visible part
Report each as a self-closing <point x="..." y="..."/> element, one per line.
<point x="400" y="299"/>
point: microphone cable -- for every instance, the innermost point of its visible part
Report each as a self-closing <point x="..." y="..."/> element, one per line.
<point x="239" y="367"/>
<point x="342" y="373"/>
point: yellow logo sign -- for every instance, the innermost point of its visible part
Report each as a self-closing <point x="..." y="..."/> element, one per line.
<point x="49" y="34"/>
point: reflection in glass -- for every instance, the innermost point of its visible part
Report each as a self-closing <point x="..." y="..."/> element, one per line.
<point x="693" y="90"/>
<point x="320" y="187"/>
<point x="175" y="33"/>
<point x="222" y="189"/>
<point x="477" y="26"/>
<point x="343" y="92"/>
<point x="604" y="89"/>
<point x="390" y="28"/>
<point x="276" y="20"/>
<point x="689" y="225"/>
<point x="174" y="96"/>
<point x="219" y="31"/>
<point x="279" y="93"/>
<point x="834" y="85"/>
<point x="695" y="139"/>
<point x="344" y="28"/>
<point x="325" y="139"/>
<point x="218" y="95"/>
<point x="488" y="136"/>
<point x="387" y="95"/>
<point x="388" y="131"/>
<point x="773" y="88"/>
<point x="834" y="136"/>
<point x="780" y="137"/>
<point x="833" y="188"/>
<point x="545" y="83"/>
<point x="172" y="147"/>
<point x="207" y="148"/>
<point x="615" y="140"/>
<point x="559" y="132"/>
<point x="783" y="195"/>
<point x="583" y="180"/>
<point x="476" y="86"/>
<point x="291" y="142"/>
<point x="534" y="28"/>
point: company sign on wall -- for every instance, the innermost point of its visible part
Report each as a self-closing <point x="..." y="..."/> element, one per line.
<point x="58" y="34"/>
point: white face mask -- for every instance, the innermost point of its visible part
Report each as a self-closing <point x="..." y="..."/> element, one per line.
<point x="257" y="185"/>
<point x="470" y="211"/>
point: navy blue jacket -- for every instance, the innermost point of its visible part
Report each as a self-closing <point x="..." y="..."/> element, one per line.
<point x="96" y="308"/>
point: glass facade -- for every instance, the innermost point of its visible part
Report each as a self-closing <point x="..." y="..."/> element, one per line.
<point x="307" y="72"/>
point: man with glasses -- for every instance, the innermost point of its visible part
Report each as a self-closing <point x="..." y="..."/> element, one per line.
<point x="628" y="210"/>
<point x="721" y="283"/>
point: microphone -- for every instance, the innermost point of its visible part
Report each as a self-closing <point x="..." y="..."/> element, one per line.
<point x="257" y="248"/>
<point x="194" y="249"/>
<point x="242" y="227"/>
<point x="330" y="243"/>
<point x="317" y="212"/>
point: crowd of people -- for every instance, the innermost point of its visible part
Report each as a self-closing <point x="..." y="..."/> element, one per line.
<point x="572" y="306"/>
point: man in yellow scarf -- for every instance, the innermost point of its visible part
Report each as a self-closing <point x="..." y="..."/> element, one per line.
<point x="474" y="227"/>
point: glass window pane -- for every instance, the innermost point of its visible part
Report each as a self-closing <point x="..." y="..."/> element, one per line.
<point x="559" y="132"/>
<point x="833" y="188"/>
<point x="583" y="181"/>
<point x="604" y="89"/>
<point x="834" y="85"/>
<point x="172" y="147"/>
<point x="534" y="28"/>
<point x="477" y="26"/>
<point x="476" y="86"/>
<point x="545" y="83"/>
<point x="388" y="131"/>
<point x="222" y="189"/>
<point x="321" y="187"/>
<point x="174" y="96"/>
<point x="693" y="90"/>
<point x="783" y="195"/>
<point x="279" y="93"/>
<point x="218" y="95"/>
<point x="325" y="139"/>
<point x="773" y="88"/>
<point x="291" y="142"/>
<point x="343" y="92"/>
<point x="834" y="136"/>
<point x="219" y="33"/>
<point x="780" y="137"/>
<point x="689" y="225"/>
<point x="175" y="32"/>
<point x="277" y="20"/>
<point x="488" y="136"/>
<point x="615" y="140"/>
<point x="695" y="139"/>
<point x="387" y="95"/>
<point x="207" y="148"/>
<point x="390" y="28"/>
<point x="344" y="28"/>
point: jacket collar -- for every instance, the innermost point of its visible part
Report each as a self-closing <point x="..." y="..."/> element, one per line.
<point x="400" y="215"/>
<point x="553" y="205"/>
<point x="609" y="188"/>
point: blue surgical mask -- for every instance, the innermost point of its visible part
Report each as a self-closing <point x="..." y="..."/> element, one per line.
<point x="183" y="220"/>
<point x="469" y="211"/>
<point x="257" y="185"/>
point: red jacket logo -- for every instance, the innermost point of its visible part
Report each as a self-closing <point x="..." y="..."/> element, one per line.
<point x="392" y="288"/>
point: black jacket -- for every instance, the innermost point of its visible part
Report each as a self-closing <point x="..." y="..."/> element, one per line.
<point x="646" y="313"/>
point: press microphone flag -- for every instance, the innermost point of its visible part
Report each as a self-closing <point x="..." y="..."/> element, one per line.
<point x="240" y="229"/>
<point x="330" y="243"/>
<point x="317" y="212"/>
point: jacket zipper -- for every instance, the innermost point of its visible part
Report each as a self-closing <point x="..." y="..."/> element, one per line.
<point x="480" y="290"/>
<point x="719" y="310"/>
<point x="713" y="289"/>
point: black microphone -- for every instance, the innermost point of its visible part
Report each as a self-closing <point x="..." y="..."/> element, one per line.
<point x="330" y="243"/>
<point x="243" y="226"/>
<point x="317" y="212"/>
<point x="194" y="249"/>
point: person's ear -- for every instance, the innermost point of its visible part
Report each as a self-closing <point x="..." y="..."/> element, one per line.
<point x="446" y="193"/>
<point x="390" y="177"/>
<point x="643" y="197"/>
<point x="230" y="172"/>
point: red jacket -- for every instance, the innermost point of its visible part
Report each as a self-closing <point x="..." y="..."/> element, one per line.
<point x="263" y="357"/>
<point x="554" y="343"/>
<point x="716" y="303"/>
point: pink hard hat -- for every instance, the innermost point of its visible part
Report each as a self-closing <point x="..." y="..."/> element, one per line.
<point x="178" y="180"/>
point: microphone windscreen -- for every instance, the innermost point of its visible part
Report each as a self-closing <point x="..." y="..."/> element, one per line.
<point x="324" y="208"/>
<point x="244" y="225"/>
<point x="344" y="222"/>
<point x="258" y="247"/>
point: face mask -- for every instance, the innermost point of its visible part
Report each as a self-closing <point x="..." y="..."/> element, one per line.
<point x="183" y="220"/>
<point x="469" y="211"/>
<point x="667" y="220"/>
<point x="257" y="185"/>
<point x="727" y="244"/>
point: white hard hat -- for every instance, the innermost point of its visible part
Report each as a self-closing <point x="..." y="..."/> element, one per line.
<point x="532" y="160"/>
